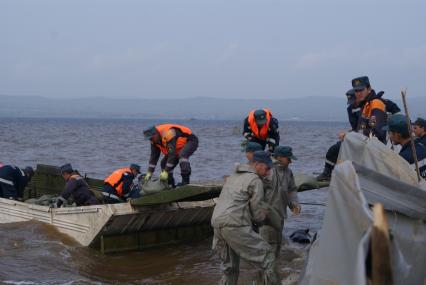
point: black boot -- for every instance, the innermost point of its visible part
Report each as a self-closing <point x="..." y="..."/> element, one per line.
<point x="171" y="180"/>
<point x="326" y="173"/>
<point x="185" y="180"/>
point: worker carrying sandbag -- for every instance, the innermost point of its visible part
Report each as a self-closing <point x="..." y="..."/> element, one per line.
<point x="261" y="127"/>
<point x="177" y="143"/>
<point x="75" y="187"/>
<point x="13" y="181"/>
<point x="118" y="187"/>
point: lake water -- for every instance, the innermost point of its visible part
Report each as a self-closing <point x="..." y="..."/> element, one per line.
<point x="33" y="253"/>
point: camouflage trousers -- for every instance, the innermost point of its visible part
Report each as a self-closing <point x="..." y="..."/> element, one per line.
<point x="233" y="243"/>
<point x="273" y="237"/>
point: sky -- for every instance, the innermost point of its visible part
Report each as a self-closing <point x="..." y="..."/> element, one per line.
<point x="224" y="49"/>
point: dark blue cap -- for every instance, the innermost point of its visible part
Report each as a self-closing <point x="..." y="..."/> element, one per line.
<point x="253" y="146"/>
<point x="398" y="124"/>
<point x="360" y="83"/>
<point x="350" y="94"/>
<point x="66" y="168"/>
<point x="420" y="122"/>
<point x="135" y="167"/>
<point x="260" y="117"/>
<point x="29" y="171"/>
<point x="283" y="151"/>
<point x="261" y="156"/>
<point x="149" y="132"/>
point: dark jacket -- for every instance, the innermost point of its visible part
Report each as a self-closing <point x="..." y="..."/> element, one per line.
<point x="421" y="140"/>
<point x="373" y="117"/>
<point x="407" y="154"/>
<point x="273" y="134"/>
<point x="14" y="176"/>
<point x="353" y="115"/>
<point x="77" y="187"/>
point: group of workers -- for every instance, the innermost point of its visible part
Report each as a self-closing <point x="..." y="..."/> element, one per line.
<point x="248" y="219"/>
<point x="249" y="216"/>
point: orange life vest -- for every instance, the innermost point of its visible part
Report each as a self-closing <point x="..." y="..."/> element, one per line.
<point x="166" y="136"/>
<point x="263" y="132"/>
<point x="114" y="179"/>
<point x="371" y="105"/>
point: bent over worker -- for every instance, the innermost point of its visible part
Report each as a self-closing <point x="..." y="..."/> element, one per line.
<point x="13" y="181"/>
<point x="117" y="186"/>
<point x="177" y="143"/>
<point x="238" y="209"/>
<point x="75" y="187"/>
<point x="261" y="127"/>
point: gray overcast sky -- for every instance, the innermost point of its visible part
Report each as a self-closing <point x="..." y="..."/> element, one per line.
<point x="238" y="49"/>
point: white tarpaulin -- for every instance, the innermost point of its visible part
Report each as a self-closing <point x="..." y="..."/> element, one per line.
<point x="377" y="175"/>
<point x="371" y="153"/>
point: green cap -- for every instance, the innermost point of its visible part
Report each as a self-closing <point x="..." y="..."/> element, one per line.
<point x="252" y="147"/>
<point x="398" y="124"/>
<point x="283" y="151"/>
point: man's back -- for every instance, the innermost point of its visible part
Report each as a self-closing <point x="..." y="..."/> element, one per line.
<point x="239" y="200"/>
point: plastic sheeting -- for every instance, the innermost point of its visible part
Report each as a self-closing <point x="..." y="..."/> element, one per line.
<point x="376" y="175"/>
<point x="372" y="154"/>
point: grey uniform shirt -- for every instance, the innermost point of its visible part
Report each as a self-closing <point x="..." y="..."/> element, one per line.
<point x="240" y="202"/>
<point x="280" y="189"/>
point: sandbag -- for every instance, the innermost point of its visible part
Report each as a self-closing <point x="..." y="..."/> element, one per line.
<point x="154" y="185"/>
<point x="306" y="182"/>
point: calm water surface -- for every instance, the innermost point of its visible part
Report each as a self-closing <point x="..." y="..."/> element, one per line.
<point x="33" y="253"/>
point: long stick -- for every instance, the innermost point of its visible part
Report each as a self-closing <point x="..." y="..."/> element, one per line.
<point x="413" y="147"/>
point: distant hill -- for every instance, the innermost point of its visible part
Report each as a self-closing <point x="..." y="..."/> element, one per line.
<point x="304" y="109"/>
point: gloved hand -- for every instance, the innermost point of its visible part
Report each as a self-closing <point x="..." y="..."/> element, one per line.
<point x="164" y="175"/>
<point x="148" y="176"/>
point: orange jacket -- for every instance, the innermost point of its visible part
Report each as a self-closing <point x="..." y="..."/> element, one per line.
<point x="167" y="135"/>
<point x="371" y="105"/>
<point x="263" y="132"/>
<point x="115" y="179"/>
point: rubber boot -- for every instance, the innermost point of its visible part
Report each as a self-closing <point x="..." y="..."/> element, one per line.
<point x="171" y="180"/>
<point x="326" y="173"/>
<point x="185" y="180"/>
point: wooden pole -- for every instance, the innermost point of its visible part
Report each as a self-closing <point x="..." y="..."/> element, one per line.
<point x="380" y="248"/>
<point x="413" y="147"/>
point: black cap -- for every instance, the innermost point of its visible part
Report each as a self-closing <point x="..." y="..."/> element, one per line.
<point x="135" y="167"/>
<point x="29" y="171"/>
<point x="350" y="94"/>
<point x="260" y="117"/>
<point x="66" y="168"/>
<point x="360" y="83"/>
<point x="420" y="122"/>
<point x="398" y="124"/>
<point x="262" y="156"/>
<point x="283" y="151"/>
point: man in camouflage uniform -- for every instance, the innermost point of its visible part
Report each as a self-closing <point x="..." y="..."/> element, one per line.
<point x="280" y="193"/>
<point x="239" y="207"/>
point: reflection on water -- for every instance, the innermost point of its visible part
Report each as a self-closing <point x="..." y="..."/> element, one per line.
<point x="35" y="253"/>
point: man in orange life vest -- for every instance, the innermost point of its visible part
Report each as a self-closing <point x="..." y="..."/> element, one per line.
<point x="117" y="186"/>
<point x="373" y="110"/>
<point x="177" y="143"/>
<point x="261" y="127"/>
